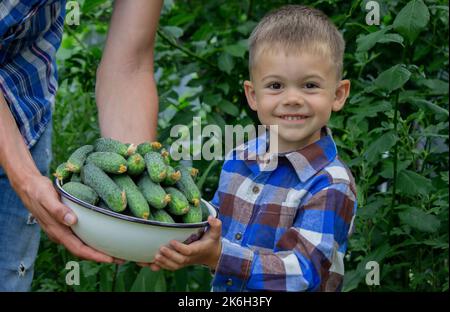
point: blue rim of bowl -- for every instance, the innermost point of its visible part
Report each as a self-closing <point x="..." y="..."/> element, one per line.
<point x="130" y="218"/>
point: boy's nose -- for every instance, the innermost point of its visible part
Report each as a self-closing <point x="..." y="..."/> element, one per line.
<point x="294" y="97"/>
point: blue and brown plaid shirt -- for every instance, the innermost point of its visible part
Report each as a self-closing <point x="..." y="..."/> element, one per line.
<point x="284" y="228"/>
<point x="30" y="34"/>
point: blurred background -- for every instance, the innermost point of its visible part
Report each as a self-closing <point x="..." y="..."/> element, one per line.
<point x="392" y="132"/>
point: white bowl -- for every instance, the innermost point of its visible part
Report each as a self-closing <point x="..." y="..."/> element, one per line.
<point x="126" y="237"/>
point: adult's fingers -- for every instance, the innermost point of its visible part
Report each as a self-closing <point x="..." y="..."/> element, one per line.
<point x="79" y="249"/>
<point x="56" y="209"/>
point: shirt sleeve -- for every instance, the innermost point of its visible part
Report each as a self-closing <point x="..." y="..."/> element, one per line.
<point x="308" y="256"/>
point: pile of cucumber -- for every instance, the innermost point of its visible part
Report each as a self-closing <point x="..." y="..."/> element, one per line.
<point x="142" y="181"/>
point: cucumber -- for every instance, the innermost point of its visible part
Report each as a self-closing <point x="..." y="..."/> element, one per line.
<point x="105" y="187"/>
<point x="135" y="164"/>
<point x="166" y="156"/>
<point x="76" y="178"/>
<point x="136" y="201"/>
<point x="153" y="193"/>
<point x="205" y="211"/>
<point x="102" y="204"/>
<point x="194" y="215"/>
<point x="81" y="191"/>
<point x="162" y="216"/>
<point x="108" y="161"/>
<point x="77" y="159"/>
<point x="62" y="173"/>
<point x="172" y="176"/>
<point x="178" y="204"/>
<point x="131" y="149"/>
<point x="156" y="167"/>
<point x="193" y="171"/>
<point x="146" y="147"/>
<point x="111" y="145"/>
<point x="187" y="185"/>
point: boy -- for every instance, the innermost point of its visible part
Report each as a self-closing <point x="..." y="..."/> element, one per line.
<point x="283" y="229"/>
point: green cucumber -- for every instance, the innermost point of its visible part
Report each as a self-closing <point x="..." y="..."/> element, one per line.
<point x="172" y="176"/>
<point x="194" y="215"/>
<point x="105" y="187"/>
<point x="156" y="167"/>
<point x="81" y="191"/>
<point x="135" y="164"/>
<point x="77" y="159"/>
<point x="146" y="147"/>
<point x="136" y="201"/>
<point x="108" y="161"/>
<point x="76" y="178"/>
<point x="62" y="173"/>
<point x="178" y="204"/>
<point x="153" y="192"/>
<point x="162" y="216"/>
<point x="111" y="145"/>
<point x="205" y="211"/>
<point x="187" y="185"/>
<point x="166" y="156"/>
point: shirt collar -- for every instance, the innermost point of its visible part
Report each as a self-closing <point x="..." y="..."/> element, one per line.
<point x="306" y="161"/>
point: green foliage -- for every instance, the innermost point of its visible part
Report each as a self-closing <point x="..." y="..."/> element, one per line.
<point x="393" y="131"/>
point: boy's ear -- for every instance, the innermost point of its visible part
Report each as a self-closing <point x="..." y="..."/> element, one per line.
<point x="250" y="94"/>
<point x="341" y="94"/>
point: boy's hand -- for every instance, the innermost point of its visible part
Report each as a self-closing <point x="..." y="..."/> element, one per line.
<point x="204" y="251"/>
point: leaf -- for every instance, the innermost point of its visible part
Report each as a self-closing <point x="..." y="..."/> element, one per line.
<point x="236" y="50"/>
<point x="412" y="19"/>
<point x="392" y="38"/>
<point x="427" y="105"/>
<point x="437" y="86"/>
<point x="174" y="31"/>
<point x="381" y="145"/>
<point x="392" y="78"/>
<point x="229" y="108"/>
<point x="90" y="5"/>
<point x="226" y="62"/>
<point x="411" y="183"/>
<point x="420" y="220"/>
<point x="147" y="280"/>
<point x="366" y="42"/>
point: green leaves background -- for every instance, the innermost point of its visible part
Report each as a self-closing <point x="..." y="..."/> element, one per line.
<point x="393" y="131"/>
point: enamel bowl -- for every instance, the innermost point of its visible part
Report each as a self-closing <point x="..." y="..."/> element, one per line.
<point x="126" y="237"/>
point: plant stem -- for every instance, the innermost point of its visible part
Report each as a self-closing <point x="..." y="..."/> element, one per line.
<point x="184" y="50"/>
<point x="394" y="177"/>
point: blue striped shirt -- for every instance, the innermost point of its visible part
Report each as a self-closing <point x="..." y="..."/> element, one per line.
<point x="284" y="227"/>
<point x="30" y="34"/>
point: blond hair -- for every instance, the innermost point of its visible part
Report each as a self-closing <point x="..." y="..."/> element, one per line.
<point x="298" y="27"/>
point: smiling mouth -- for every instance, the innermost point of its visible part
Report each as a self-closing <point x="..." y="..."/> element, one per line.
<point x="293" y="117"/>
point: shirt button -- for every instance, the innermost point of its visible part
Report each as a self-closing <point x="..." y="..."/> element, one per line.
<point x="255" y="189"/>
<point x="238" y="236"/>
<point x="229" y="282"/>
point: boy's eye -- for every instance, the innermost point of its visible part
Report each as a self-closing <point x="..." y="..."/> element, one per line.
<point x="275" y="86"/>
<point x="310" y="85"/>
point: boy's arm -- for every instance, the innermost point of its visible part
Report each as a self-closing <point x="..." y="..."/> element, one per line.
<point x="126" y="92"/>
<point x="306" y="252"/>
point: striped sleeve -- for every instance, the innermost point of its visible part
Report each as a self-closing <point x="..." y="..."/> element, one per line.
<point x="308" y="256"/>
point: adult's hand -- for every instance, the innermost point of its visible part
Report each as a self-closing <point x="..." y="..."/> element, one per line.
<point x="36" y="191"/>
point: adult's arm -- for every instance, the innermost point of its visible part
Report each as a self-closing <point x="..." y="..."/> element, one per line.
<point x="36" y="191"/>
<point x="126" y="94"/>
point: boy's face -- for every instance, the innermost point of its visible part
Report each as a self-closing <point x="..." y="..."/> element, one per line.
<point x="297" y="92"/>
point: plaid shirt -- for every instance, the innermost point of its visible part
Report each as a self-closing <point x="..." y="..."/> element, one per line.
<point x="285" y="228"/>
<point x="30" y="34"/>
